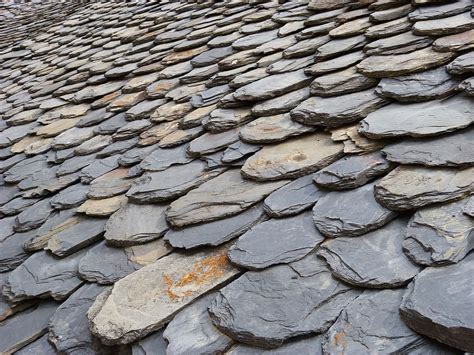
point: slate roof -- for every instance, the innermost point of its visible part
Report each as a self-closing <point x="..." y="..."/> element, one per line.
<point x="237" y="177"/>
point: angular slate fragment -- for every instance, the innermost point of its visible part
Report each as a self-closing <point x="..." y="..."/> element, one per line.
<point x="338" y="110"/>
<point x="170" y="183"/>
<point x="457" y="42"/>
<point x="33" y="216"/>
<point x="337" y="215"/>
<point x="336" y="47"/>
<point x="71" y="196"/>
<point x="77" y="233"/>
<point x="277" y="241"/>
<point x="225" y="195"/>
<point x="341" y="82"/>
<point x="333" y="64"/>
<point x="160" y="159"/>
<point x="131" y="224"/>
<point x="440" y="10"/>
<point x="352" y="171"/>
<point x="25" y="327"/>
<point x="384" y="333"/>
<point x="238" y="150"/>
<point x="428" y="308"/>
<point x="411" y="187"/>
<point x="439" y="234"/>
<point x="12" y="252"/>
<point x="217" y="232"/>
<point x="419" y="119"/>
<point x="292" y="158"/>
<point x="444" y="26"/>
<point x="280" y="104"/>
<point x="387" y="66"/>
<point x="106" y="264"/>
<point x="399" y="44"/>
<point x="69" y="328"/>
<point x="147" y="299"/>
<point x="191" y="331"/>
<point x="360" y="262"/>
<point x="40" y="346"/>
<point x="469" y="207"/>
<point x="153" y="344"/>
<point x="293" y="198"/>
<point x="456" y="149"/>
<point x="272" y="86"/>
<point x="224" y="119"/>
<point x="424" y="86"/>
<point x="309" y="300"/>
<point x="41" y="276"/>
<point x="464" y="64"/>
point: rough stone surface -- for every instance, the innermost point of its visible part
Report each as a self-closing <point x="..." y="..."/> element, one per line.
<point x="293" y="158"/>
<point x="223" y="196"/>
<point x="336" y="214"/>
<point x="278" y="241"/>
<point x="131" y="224"/>
<point x="191" y="331"/>
<point x="428" y="307"/>
<point x="373" y="260"/>
<point x="309" y="300"/>
<point x="411" y="187"/>
<point x="439" y="235"/>
<point x="352" y="171"/>
<point x="166" y="286"/>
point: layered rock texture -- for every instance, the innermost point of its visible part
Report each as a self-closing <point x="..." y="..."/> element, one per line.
<point x="237" y="177"/>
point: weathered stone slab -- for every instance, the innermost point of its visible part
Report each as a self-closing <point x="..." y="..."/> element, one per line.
<point x="160" y="159"/>
<point x="225" y="195"/>
<point x="419" y="119"/>
<point x="440" y="10"/>
<point x="278" y="241"/>
<point x="78" y="232"/>
<point x="293" y="198"/>
<point x="439" y="235"/>
<point x="41" y="276"/>
<point x="336" y="214"/>
<point x="225" y="119"/>
<point x="411" y="187"/>
<point x="444" y="26"/>
<point x="72" y="137"/>
<point x="103" y="207"/>
<point x="336" y="47"/>
<point x="428" y="308"/>
<point x="456" y="42"/>
<point x="191" y="331"/>
<point x="387" y="29"/>
<point x="280" y="104"/>
<point x="424" y="86"/>
<point x="456" y="149"/>
<point x="69" y="328"/>
<point x="338" y="110"/>
<point x="333" y="64"/>
<point x="307" y="345"/>
<point x="385" y="333"/>
<point x="39" y="346"/>
<point x="292" y="158"/>
<point x="309" y="300"/>
<point x="399" y="44"/>
<point x="150" y="345"/>
<point x="360" y="262"/>
<point x="387" y="66"/>
<point x="464" y="64"/>
<point x="33" y="216"/>
<point x="12" y="252"/>
<point x="272" y="86"/>
<point x="106" y="264"/>
<point x="157" y="291"/>
<point x="132" y="224"/>
<point x="341" y="82"/>
<point x="170" y="183"/>
<point x="25" y="327"/>
<point x="352" y="171"/>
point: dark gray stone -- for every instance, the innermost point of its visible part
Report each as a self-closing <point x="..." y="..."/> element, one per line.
<point x="464" y="64"/>
<point x="360" y="262"/>
<point x="160" y="159"/>
<point x="428" y="307"/>
<point x="352" y="171"/>
<point x="25" y="168"/>
<point x="424" y="86"/>
<point x="223" y="119"/>
<point x="309" y="300"/>
<point x="399" y="44"/>
<point x="191" y="331"/>
<point x="25" y="327"/>
<point x="78" y="233"/>
<point x="337" y="111"/>
<point x="419" y="119"/>
<point x="439" y="235"/>
<point x="384" y="333"/>
<point x="411" y="187"/>
<point x="153" y="344"/>
<point x="71" y="196"/>
<point x="225" y="195"/>
<point x="456" y="149"/>
<point x="444" y="26"/>
<point x="439" y="10"/>
<point x="272" y="86"/>
<point x="293" y="198"/>
<point x="17" y="205"/>
<point x="33" y="216"/>
<point x="40" y="346"/>
<point x="170" y="183"/>
<point x="278" y="241"/>
<point x="308" y="345"/>
<point x="69" y="327"/>
<point x="12" y="252"/>
<point x="41" y="276"/>
<point x="132" y="225"/>
<point x="280" y="104"/>
<point x="212" y="142"/>
<point x="217" y="232"/>
<point x="337" y="215"/>
<point x="336" y="47"/>
<point x="237" y="151"/>
<point x="333" y="64"/>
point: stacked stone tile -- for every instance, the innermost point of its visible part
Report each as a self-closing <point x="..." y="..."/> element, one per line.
<point x="238" y="177"/>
